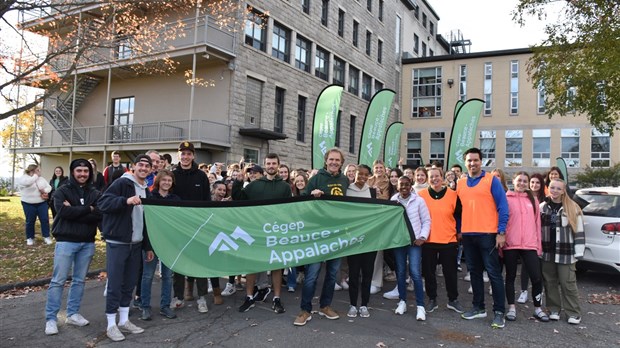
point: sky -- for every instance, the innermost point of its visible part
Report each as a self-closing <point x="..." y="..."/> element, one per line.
<point x="488" y="23"/>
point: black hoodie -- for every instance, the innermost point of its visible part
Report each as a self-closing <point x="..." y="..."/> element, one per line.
<point x="76" y="223"/>
<point x="191" y="184"/>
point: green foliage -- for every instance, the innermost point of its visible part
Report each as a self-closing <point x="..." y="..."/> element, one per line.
<point x="5" y="186"/>
<point x="579" y="54"/>
<point x="598" y="177"/>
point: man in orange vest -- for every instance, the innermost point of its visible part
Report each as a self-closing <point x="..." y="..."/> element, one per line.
<point x="483" y="227"/>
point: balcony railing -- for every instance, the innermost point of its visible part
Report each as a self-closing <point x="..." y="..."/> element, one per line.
<point x="201" y="131"/>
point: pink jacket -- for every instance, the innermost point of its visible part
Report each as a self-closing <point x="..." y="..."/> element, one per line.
<point x="523" y="228"/>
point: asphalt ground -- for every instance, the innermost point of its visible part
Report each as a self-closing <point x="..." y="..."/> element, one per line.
<point x="22" y="323"/>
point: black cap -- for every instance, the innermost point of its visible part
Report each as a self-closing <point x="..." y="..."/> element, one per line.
<point x="186" y="145"/>
<point x="257" y="169"/>
<point x="144" y="159"/>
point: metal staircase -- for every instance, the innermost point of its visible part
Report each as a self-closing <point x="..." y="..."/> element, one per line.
<point x="58" y="110"/>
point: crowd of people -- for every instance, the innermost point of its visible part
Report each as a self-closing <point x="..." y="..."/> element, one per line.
<point x="456" y="213"/>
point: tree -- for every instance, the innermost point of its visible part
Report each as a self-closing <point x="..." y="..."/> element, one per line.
<point x="79" y="32"/>
<point x="598" y="177"/>
<point x="29" y="129"/>
<point x="577" y="64"/>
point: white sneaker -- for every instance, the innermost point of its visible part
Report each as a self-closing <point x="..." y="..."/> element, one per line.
<point x="470" y="290"/>
<point x="421" y="315"/>
<point x="490" y="290"/>
<point x="115" y="334"/>
<point x="467" y="277"/>
<point x="77" y="319"/>
<point x="392" y="295"/>
<point x="176" y="303"/>
<point x="352" y="312"/>
<point x="522" y="297"/>
<point x="47" y="240"/>
<point x="51" y="328"/>
<point x="202" y="305"/>
<point x="345" y="285"/>
<point x="574" y="320"/>
<point x="130" y="328"/>
<point x="229" y="289"/>
<point x="364" y="313"/>
<point x="485" y="276"/>
<point x="337" y="287"/>
<point x="374" y="289"/>
<point x="402" y="308"/>
<point x="210" y="289"/>
<point x="554" y="316"/>
<point x="30" y="241"/>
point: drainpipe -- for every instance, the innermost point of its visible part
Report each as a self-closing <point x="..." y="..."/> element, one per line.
<point x="75" y="83"/>
<point x="19" y="71"/>
<point x="193" y="85"/>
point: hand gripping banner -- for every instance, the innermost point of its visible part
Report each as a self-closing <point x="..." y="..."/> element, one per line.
<point x="215" y="239"/>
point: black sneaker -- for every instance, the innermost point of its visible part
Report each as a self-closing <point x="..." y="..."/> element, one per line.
<point x="431" y="306"/>
<point x="249" y="303"/>
<point x="277" y="306"/>
<point x="261" y="295"/>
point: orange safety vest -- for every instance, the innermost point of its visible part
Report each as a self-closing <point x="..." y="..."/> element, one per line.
<point x="443" y="223"/>
<point x="479" y="208"/>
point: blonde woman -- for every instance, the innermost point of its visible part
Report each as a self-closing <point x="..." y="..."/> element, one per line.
<point x="34" y="195"/>
<point x="563" y="242"/>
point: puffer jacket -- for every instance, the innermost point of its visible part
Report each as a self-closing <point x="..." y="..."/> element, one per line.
<point x="523" y="228"/>
<point x="418" y="214"/>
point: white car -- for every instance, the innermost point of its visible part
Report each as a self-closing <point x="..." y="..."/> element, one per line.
<point x="601" y="210"/>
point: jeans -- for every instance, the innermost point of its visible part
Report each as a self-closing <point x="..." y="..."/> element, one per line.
<point x="67" y="256"/>
<point x="31" y="211"/>
<point x="312" y="274"/>
<point x="291" y="278"/>
<point x="122" y="263"/>
<point x="415" y="270"/>
<point x="481" y="254"/>
<point x="148" y="271"/>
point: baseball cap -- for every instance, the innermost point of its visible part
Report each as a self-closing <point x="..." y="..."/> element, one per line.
<point x="144" y="159"/>
<point x="257" y="169"/>
<point x="186" y="145"/>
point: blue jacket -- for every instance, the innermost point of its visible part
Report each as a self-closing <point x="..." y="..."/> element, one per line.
<point x="117" y="223"/>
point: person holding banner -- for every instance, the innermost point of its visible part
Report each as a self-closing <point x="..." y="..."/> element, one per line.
<point x="270" y="186"/>
<point x="381" y="183"/>
<point x="329" y="181"/>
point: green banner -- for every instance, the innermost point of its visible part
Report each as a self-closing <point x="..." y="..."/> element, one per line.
<point x="208" y="239"/>
<point x="560" y="163"/>
<point x="324" y="126"/>
<point x="376" y="120"/>
<point x="463" y="130"/>
<point x="391" y="149"/>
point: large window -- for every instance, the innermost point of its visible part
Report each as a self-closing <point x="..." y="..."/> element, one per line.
<point x="278" y="116"/>
<point x="123" y="119"/>
<point x="340" y="23"/>
<point x="352" y="134"/>
<point x="281" y="41"/>
<point x="255" y="27"/>
<point x="431" y="28"/>
<point x="414" y="149"/>
<point x="302" y="54"/>
<point x="368" y="40"/>
<point x="514" y="87"/>
<point x="541" y="148"/>
<point x="123" y="47"/>
<point x="488" y="88"/>
<point x="356" y="29"/>
<point x="600" y="149"/>
<point x="321" y="64"/>
<point x="324" y="12"/>
<point x="369" y="5"/>
<point x="338" y="72"/>
<point x="381" y="10"/>
<point x="423" y="49"/>
<point x="426" y="92"/>
<point x="301" y="118"/>
<point x="438" y="147"/>
<point x="305" y="6"/>
<point x="253" y="102"/>
<point x="463" y="82"/>
<point x="424" y="19"/>
<point x="514" y="148"/>
<point x="487" y="146"/>
<point x="570" y="147"/>
<point x="354" y="80"/>
<point x="250" y="155"/>
<point x="366" y="87"/>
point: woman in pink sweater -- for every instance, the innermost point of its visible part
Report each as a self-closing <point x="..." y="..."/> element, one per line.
<point x="523" y="240"/>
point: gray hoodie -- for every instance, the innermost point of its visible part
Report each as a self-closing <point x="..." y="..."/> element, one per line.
<point x="137" y="212"/>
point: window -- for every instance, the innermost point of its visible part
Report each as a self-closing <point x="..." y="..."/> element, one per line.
<point x="431" y="28"/>
<point x="301" y="118"/>
<point x="123" y="47"/>
<point x="337" y="141"/>
<point x="488" y="88"/>
<point x="255" y="30"/>
<point x="514" y="148"/>
<point x="253" y="101"/>
<point x="281" y="38"/>
<point x="278" y="116"/>
<point x="352" y="134"/>
<point x="379" y="51"/>
<point x="514" y="87"/>
<point x="324" y="12"/>
<point x="381" y="10"/>
<point x="426" y="92"/>
<point x="487" y="146"/>
<point x="424" y="19"/>
<point x="600" y="149"/>
<point x="571" y="93"/>
<point x="570" y="147"/>
<point x="321" y="64"/>
<point x="414" y="149"/>
<point x="302" y="54"/>
<point x="423" y="49"/>
<point x="438" y="147"/>
<point x="366" y="87"/>
<point x="356" y="28"/>
<point x="250" y="155"/>
<point x="430" y="53"/>
<point x="340" y="23"/>
<point x="397" y="37"/>
<point x="540" y="103"/>
<point x="123" y="119"/>
<point x="369" y="5"/>
<point x="368" y="38"/>
<point x="463" y="82"/>
<point x="305" y="6"/>
<point x="541" y="148"/>
<point x="338" y="72"/>
<point x="416" y="12"/>
<point x="378" y="86"/>
<point x="416" y="43"/>
<point x="354" y="80"/>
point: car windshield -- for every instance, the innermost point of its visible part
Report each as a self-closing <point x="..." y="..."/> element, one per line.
<point x="599" y="204"/>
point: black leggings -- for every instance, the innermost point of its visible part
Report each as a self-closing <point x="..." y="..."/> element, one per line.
<point x="364" y="264"/>
<point x="447" y="258"/>
<point x="530" y="262"/>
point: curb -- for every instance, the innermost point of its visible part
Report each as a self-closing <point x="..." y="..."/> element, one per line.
<point x="42" y="281"/>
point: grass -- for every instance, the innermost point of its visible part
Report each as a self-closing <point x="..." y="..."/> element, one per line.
<point x="19" y="262"/>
